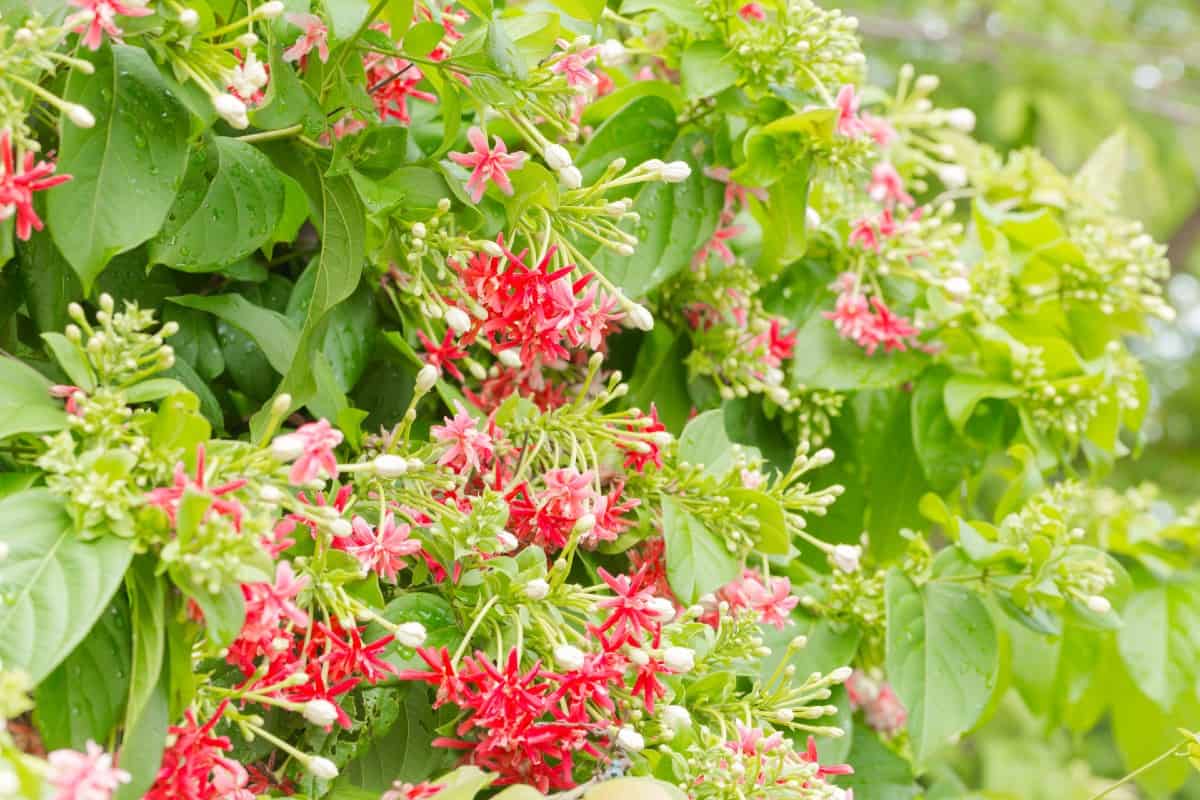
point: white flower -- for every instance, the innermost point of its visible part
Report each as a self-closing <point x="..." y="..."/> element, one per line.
<point x="426" y="378"/>
<point x="458" y="320"/>
<point x="958" y="286"/>
<point x="568" y="657"/>
<point x="287" y="447"/>
<point x="679" y="659"/>
<point x="612" y="53"/>
<point x="557" y="157"/>
<point x="675" y="171"/>
<point x="676" y="717"/>
<point x="961" y="118"/>
<point x="410" y="634"/>
<point x="270" y="10"/>
<point x="571" y="177"/>
<point x="953" y="176"/>
<point x="270" y="494"/>
<point x="1098" y="604"/>
<point x="661" y="608"/>
<point x="641" y="319"/>
<point x="320" y="766"/>
<point x="630" y="740"/>
<point x="80" y="116"/>
<point x="321" y="713"/>
<point x="537" y="589"/>
<point x="189" y="18"/>
<point x="390" y="466"/>
<point x="846" y="557"/>
<point x="249" y="76"/>
<point x="232" y="110"/>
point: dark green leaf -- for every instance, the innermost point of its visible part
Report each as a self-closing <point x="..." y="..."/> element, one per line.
<point x="272" y="331"/>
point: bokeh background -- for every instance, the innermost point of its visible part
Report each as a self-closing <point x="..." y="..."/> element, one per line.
<point x="1062" y="75"/>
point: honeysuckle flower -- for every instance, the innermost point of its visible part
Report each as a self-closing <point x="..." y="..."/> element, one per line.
<point x="487" y="164"/>
<point x="88" y="775"/>
<point x="313" y="443"/>
<point x="248" y="79"/>
<point x="469" y="446"/>
<point x="889" y="329"/>
<point x="574" y="67"/>
<point x="752" y="12"/>
<point x="168" y="498"/>
<point x="878" y="129"/>
<point x="17" y="187"/>
<point x="887" y="186"/>
<point x="314" y="35"/>
<point x="848" y="123"/>
<point x="411" y="791"/>
<point x="98" y="17"/>
<point x="382" y="549"/>
<point x="442" y="355"/>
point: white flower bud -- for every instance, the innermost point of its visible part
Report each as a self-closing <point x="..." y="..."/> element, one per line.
<point x="506" y="542"/>
<point x="612" y="53"/>
<point x="269" y="10"/>
<point x="958" y="286"/>
<point x="320" y="766"/>
<point x="537" y="589"/>
<point x="570" y="177"/>
<point x="821" y="457"/>
<point x="661" y="608"/>
<point x="631" y="740"/>
<point x="341" y="528"/>
<point x="426" y="378"/>
<point x="568" y="657"/>
<point x="675" y="172"/>
<point x="418" y="230"/>
<point x="846" y="557"/>
<point x="641" y="318"/>
<point x="510" y="358"/>
<point x="639" y="657"/>
<point x="1098" y="604"/>
<point x="269" y="494"/>
<point x="679" y="659"/>
<point x="557" y="157"/>
<point x="248" y="39"/>
<point x="492" y="249"/>
<point x="188" y="18"/>
<point x="231" y="109"/>
<point x="785" y="715"/>
<point x="840" y="674"/>
<point x="676" y="717"/>
<point x="458" y="320"/>
<point x="321" y="713"/>
<point x="4" y="551"/>
<point x="411" y="634"/>
<point x="10" y="784"/>
<point x="287" y="447"/>
<point x="961" y="118"/>
<point x="390" y="466"/>
<point x="80" y="116"/>
<point x="927" y="83"/>
<point x="953" y="176"/>
<point x="585" y="523"/>
<point x="24" y="37"/>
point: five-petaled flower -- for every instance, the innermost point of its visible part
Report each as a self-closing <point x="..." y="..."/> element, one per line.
<point x="89" y="775"/>
<point x="97" y="18"/>
<point x="314" y="35"/>
<point x="17" y="187"/>
<point x="486" y="164"/>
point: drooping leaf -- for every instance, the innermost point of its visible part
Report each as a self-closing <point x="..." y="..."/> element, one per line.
<point x="58" y="584"/>
<point x="942" y="659"/>
<point x="125" y="169"/>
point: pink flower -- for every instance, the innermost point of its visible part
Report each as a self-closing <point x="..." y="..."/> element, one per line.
<point x="469" y="446"/>
<point x="851" y="315"/>
<point x="878" y="129"/>
<point x="485" y="164"/>
<point x="168" y="498"/>
<point x="317" y="440"/>
<point x="84" y="776"/>
<point x="717" y="245"/>
<point x="97" y="19"/>
<point x="772" y="601"/>
<point x="569" y="492"/>
<point x="887" y="186"/>
<point x="752" y="741"/>
<point x="889" y="329"/>
<point x="575" y="67"/>
<point x="268" y="604"/>
<point x="864" y="235"/>
<point x="314" y="34"/>
<point x="810" y="755"/>
<point x="848" y="123"/>
<point x="17" y="188"/>
<point x="881" y="707"/>
<point x="752" y="12"/>
<point x="67" y="392"/>
<point x="382" y="550"/>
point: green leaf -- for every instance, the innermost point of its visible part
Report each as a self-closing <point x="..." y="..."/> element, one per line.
<point x="82" y="699"/>
<point x="289" y="100"/>
<point x="1160" y="641"/>
<point x="224" y="611"/>
<point x="945" y="455"/>
<point x="274" y="333"/>
<point x="125" y="169"/>
<point x="143" y="743"/>
<point x="587" y="10"/>
<point x="228" y="205"/>
<point x="773" y="537"/>
<point x="432" y="611"/>
<point x="72" y="359"/>
<point x="705" y="443"/>
<point x="422" y="38"/>
<point x="643" y="129"/>
<point x="708" y="69"/>
<point x="403" y="752"/>
<point x="964" y="392"/>
<point x="879" y="773"/>
<point x="784" y="220"/>
<point x="25" y="402"/>
<point x="682" y="12"/>
<point x="346" y="16"/>
<point x="147" y="608"/>
<point x="697" y="561"/>
<point x="660" y="377"/>
<point x="48" y="281"/>
<point x="942" y="659"/>
<point x="676" y="218"/>
<point x="631" y="788"/>
<point x="57" y="584"/>
<point x="1100" y="176"/>
<point x="896" y="482"/>
<point x="824" y="360"/>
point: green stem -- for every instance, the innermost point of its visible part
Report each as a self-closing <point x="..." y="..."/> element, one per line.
<point x="1138" y="771"/>
<point x="267" y="136"/>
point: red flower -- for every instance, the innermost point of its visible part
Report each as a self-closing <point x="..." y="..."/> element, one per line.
<point x="443" y="355"/>
<point x="634" y="610"/>
<point x="315" y="442"/>
<point x="752" y="12"/>
<point x="469" y="446"/>
<point x="17" y="188"/>
<point x="168" y="498"/>
<point x="350" y="657"/>
<point x="810" y="755"/>
<point x="647" y="451"/>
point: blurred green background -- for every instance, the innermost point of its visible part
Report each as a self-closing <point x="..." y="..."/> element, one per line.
<point x="1062" y="75"/>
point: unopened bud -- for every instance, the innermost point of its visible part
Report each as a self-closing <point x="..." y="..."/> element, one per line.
<point x="571" y="177"/>
<point x="390" y="466"/>
<point x="961" y="118"/>
<point x="1099" y="604"/>
<point x="631" y="740"/>
<point x="568" y="657"/>
<point x="189" y="18"/>
<point x="510" y="358"/>
<point x="675" y="171"/>
<point x="641" y="318"/>
<point x="557" y="157"/>
<point x="537" y="589"/>
<point x="411" y="634"/>
<point x="321" y="713"/>
<point x="80" y="116"/>
<point x="269" y="10"/>
<point x="320" y="766"/>
<point x="287" y="447"/>
<point x="679" y="659"/>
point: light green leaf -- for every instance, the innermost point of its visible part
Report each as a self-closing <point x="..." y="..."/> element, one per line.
<point x="586" y="10"/>
<point x="72" y="359"/>
<point x="963" y="392"/>
<point x="708" y="69"/>
<point x="25" y="402"/>
<point x="1100" y="176"/>
<point x="1160" y="641"/>
<point x="824" y="360"/>
<point x="697" y="561"/>
<point x="705" y="443"/>
<point x="125" y="169"/>
<point x="228" y="205"/>
<point x="879" y="773"/>
<point x="642" y="129"/>
<point x="942" y="659"/>
<point x="403" y="752"/>
<point x="57" y="584"/>
<point x="147" y="609"/>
